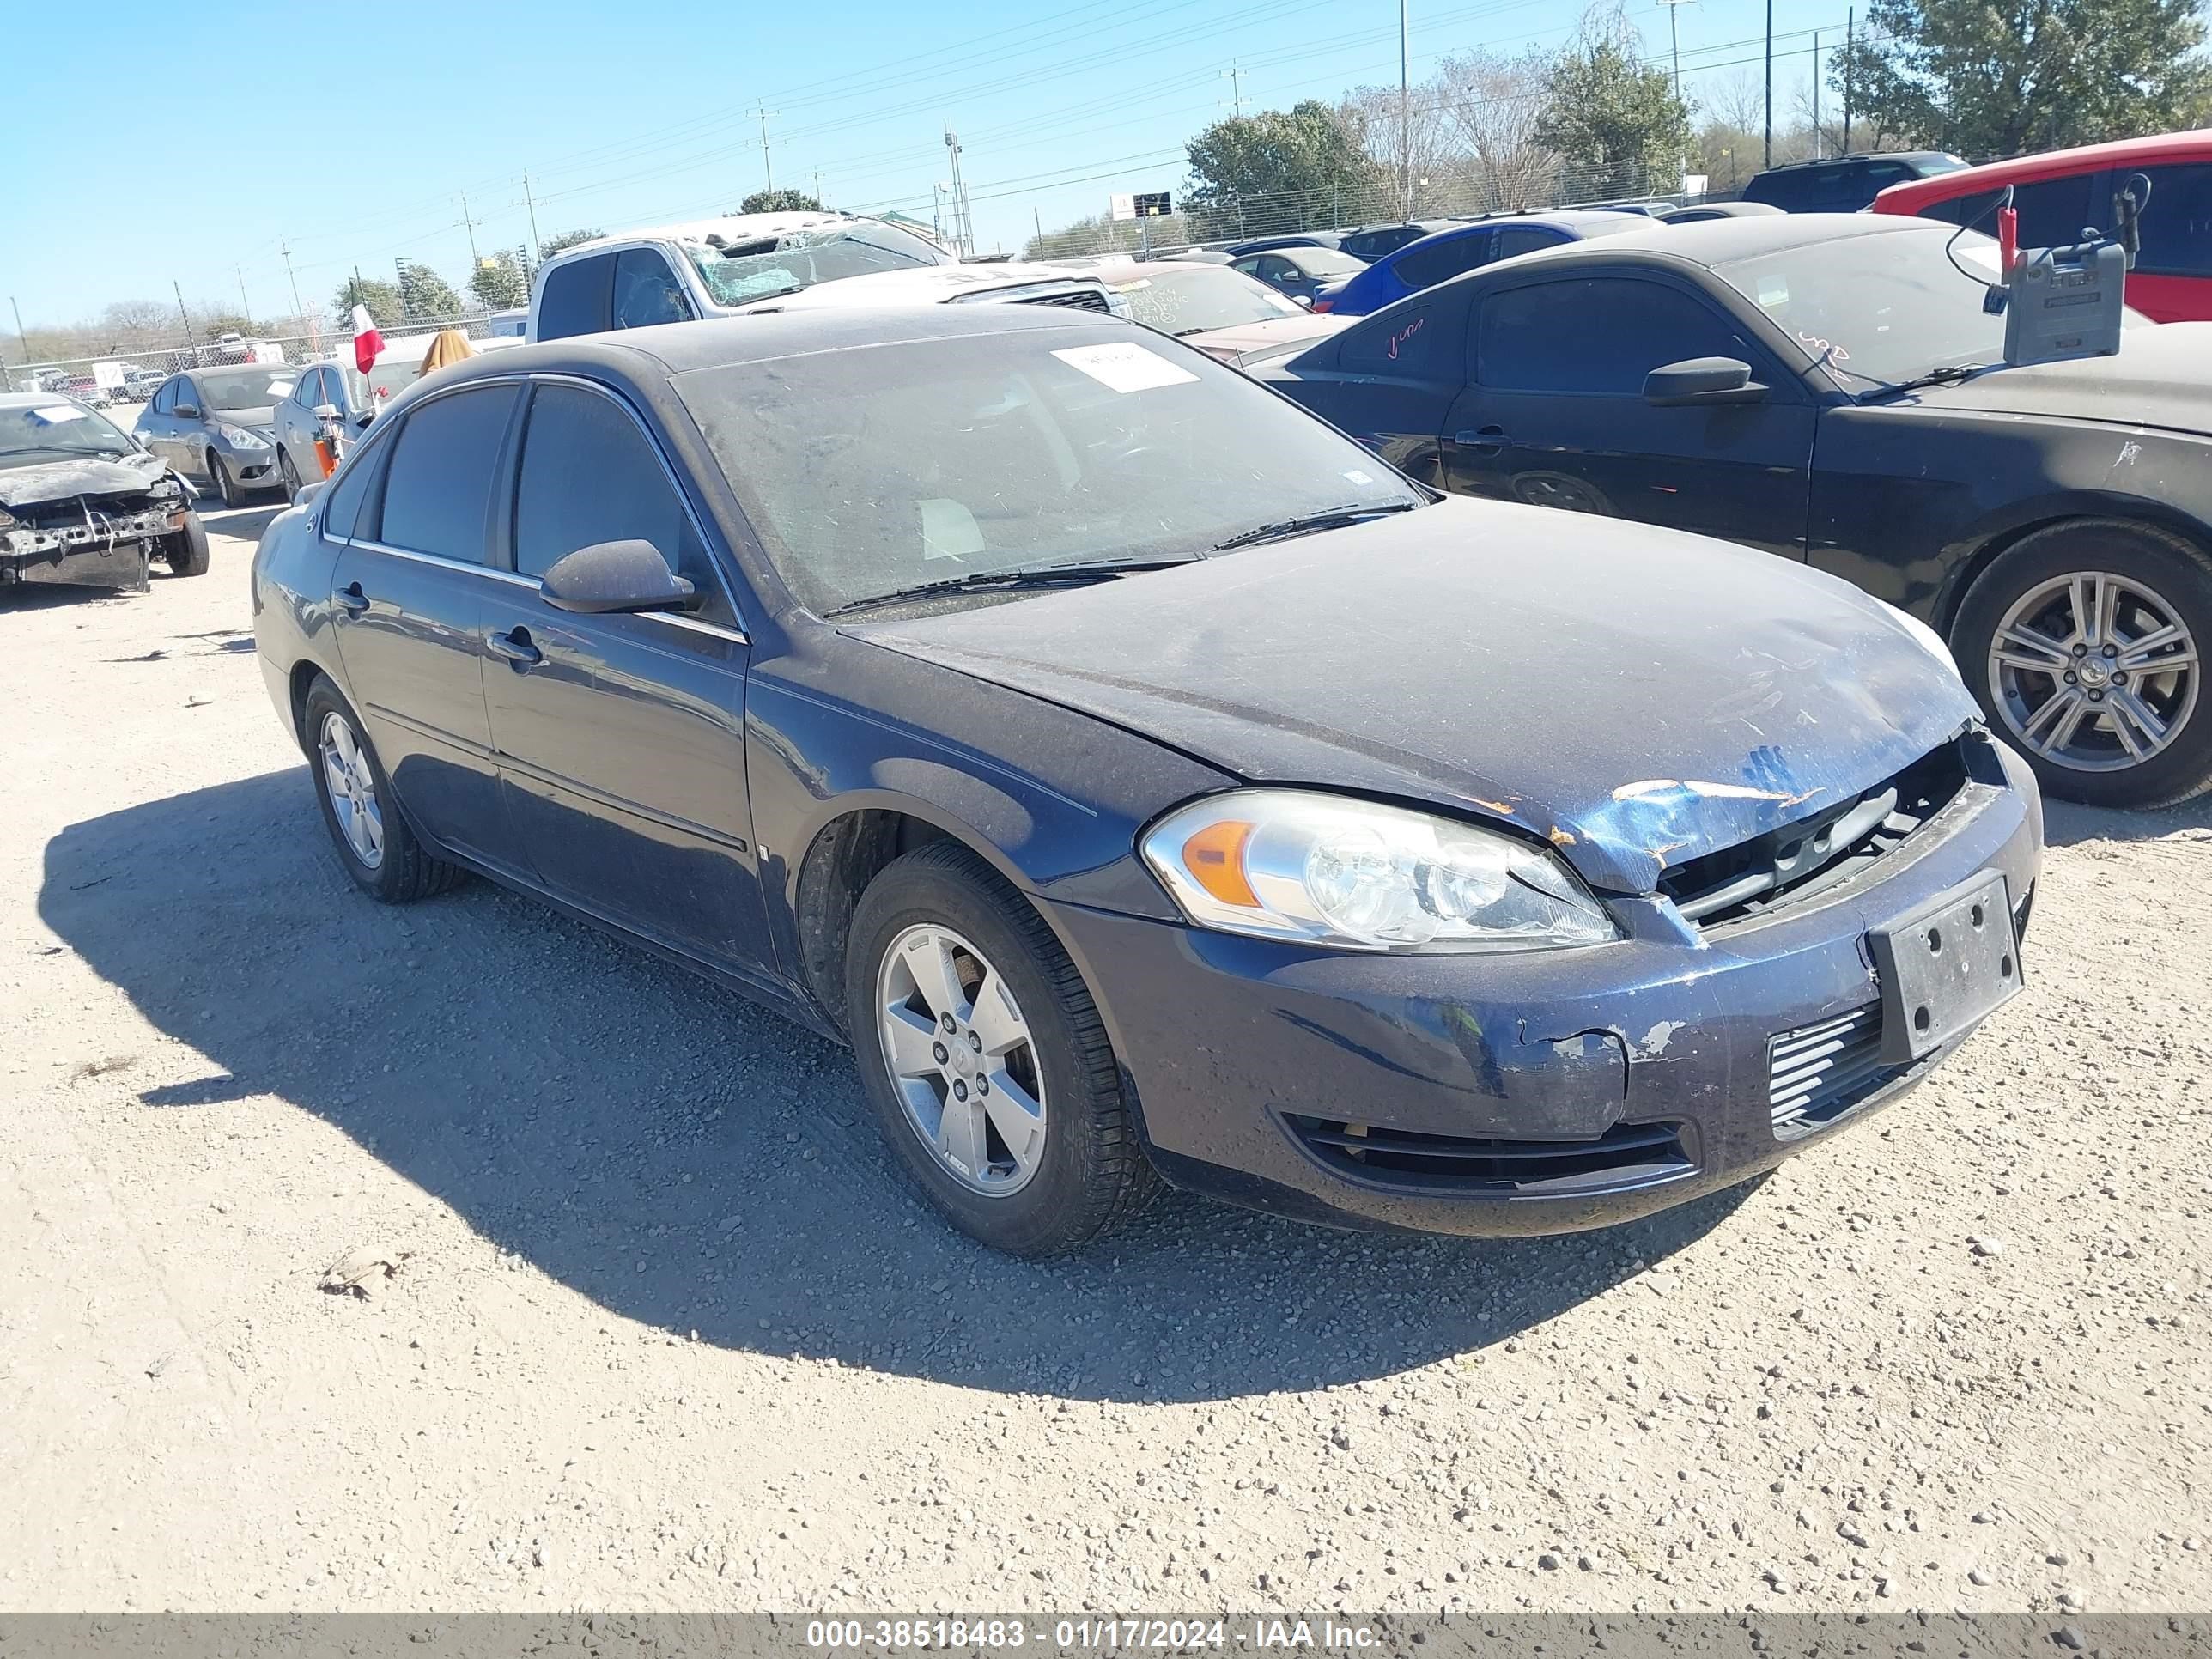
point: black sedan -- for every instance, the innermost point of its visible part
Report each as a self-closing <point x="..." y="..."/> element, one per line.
<point x="1144" y="779"/>
<point x="1829" y="388"/>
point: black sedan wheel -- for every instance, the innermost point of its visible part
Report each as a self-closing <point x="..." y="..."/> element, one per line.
<point x="2084" y="644"/>
<point x="985" y="1059"/>
<point x="378" y="849"/>
<point x="225" y="485"/>
<point x="288" y="473"/>
<point x="186" y="550"/>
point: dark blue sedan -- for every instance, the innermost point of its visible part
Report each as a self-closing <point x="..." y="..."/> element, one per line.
<point x="1451" y="252"/>
<point x="1145" y="779"/>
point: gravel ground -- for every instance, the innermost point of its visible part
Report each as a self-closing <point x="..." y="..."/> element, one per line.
<point x="661" y="1330"/>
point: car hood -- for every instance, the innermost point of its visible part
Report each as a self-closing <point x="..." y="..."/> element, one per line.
<point x="2162" y="377"/>
<point x="68" y="477"/>
<point x="922" y="285"/>
<point x="262" y="419"/>
<point x="1632" y="696"/>
<point x="1238" y="338"/>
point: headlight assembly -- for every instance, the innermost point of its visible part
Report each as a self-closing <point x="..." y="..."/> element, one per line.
<point x="238" y="438"/>
<point x="1326" y="869"/>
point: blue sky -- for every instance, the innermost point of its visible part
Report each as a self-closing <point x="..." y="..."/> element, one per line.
<point x="353" y="135"/>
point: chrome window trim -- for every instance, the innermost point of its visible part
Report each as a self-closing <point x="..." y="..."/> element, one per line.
<point x="444" y="564"/>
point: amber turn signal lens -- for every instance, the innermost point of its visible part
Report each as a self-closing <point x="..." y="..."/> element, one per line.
<point x="1215" y="857"/>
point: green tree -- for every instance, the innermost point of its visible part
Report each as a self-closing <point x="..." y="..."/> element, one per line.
<point x="2031" y="74"/>
<point x="426" y="294"/>
<point x="499" y="281"/>
<point x="1278" y="170"/>
<point x="382" y="299"/>
<point x="566" y="238"/>
<point x="779" y="200"/>
<point x="1615" y="122"/>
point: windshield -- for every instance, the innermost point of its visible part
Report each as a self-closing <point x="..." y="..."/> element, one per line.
<point x="1203" y="297"/>
<point x="47" y="432"/>
<point x="1326" y="261"/>
<point x="256" y="387"/>
<point x="1881" y="309"/>
<point x="800" y="258"/>
<point x="877" y="468"/>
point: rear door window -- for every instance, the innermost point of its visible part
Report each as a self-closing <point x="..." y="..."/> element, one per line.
<point x="575" y="298"/>
<point x="1525" y="239"/>
<point x="2053" y="212"/>
<point x="2177" y="221"/>
<point x="1425" y="267"/>
<point x="437" y="489"/>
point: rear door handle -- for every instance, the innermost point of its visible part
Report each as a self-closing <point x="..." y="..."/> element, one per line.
<point x="1488" y="437"/>
<point x="516" y="646"/>
<point x="350" y="600"/>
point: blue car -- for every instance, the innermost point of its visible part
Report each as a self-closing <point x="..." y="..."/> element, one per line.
<point x="1461" y="248"/>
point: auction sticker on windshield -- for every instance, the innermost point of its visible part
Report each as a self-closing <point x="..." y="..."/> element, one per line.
<point x="1124" y="366"/>
<point x="55" y="414"/>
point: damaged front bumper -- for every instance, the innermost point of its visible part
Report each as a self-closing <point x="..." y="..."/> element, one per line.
<point x="1536" y="1093"/>
<point x="86" y="546"/>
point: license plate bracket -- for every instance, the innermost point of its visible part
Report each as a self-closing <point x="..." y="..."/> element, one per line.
<point x="1946" y="967"/>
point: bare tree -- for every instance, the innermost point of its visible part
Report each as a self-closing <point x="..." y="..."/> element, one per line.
<point x="1492" y="103"/>
<point x="1411" y="143"/>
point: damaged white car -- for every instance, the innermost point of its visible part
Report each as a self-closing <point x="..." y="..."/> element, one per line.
<point x="83" y="501"/>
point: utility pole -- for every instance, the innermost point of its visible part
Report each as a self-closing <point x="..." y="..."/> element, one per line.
<point x="470" y="225"/>
<point x="1850" y="20"/>
<point x="1234" y="76"/>
<point x="768" y="173"/>
<point x="1674" y="41"/>
<point x="963" y="225"/>
<point x="22" y="338"/>
<point x="1770" y="85"/>
<point x="186" y="318"/>
<point x="817" y="183"/>
<point x="1037" y="213"/>
<point x="1819" y="149"/>
<point x="298" y="309"/>
<point x="244" y="304"/>
<point x="936" y="209"/>
<point x="1405" y="104"/>
<point x="530" y="263"/>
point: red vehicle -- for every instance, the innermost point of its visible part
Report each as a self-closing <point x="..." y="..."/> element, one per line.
<point x="2062" y="193"/>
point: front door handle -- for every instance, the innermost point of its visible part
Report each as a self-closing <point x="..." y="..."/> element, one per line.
<point x="1487" y="437"/>
<point x="516" y="646"/>
<point x="350" y="600"/>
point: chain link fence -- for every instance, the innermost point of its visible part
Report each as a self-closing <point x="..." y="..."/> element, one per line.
<point x="134" y="371"/>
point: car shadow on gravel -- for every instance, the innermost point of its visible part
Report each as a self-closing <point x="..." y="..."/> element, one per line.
<point x="689" y="1161"/>
<point x="2068" y="824"/>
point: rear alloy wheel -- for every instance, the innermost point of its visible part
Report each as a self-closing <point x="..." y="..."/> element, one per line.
<point x="378" y="849"/>
<point x="985" y="1059"/>
<point x="226" y="487"/>
<point x="2085" y="644"/>
<point x="288" y="473"/>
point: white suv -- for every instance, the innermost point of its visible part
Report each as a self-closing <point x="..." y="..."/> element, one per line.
<point x="724" y="267"/>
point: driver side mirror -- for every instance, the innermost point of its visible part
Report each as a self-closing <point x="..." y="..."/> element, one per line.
<point x="1702" y="381"/>
<point x="327" y="411"/>
<point x="625" y="576"/>
<point x="1304" y="300"/>
<point x="185" y="412"/>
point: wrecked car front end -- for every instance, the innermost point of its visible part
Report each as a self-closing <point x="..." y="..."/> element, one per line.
<point x="90" y="521"/>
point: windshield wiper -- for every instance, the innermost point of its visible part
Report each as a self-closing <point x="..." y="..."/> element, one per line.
<point x="1042" y="575"/>
<point x="1934" y="377"/>
<point x="1333" y="517"/>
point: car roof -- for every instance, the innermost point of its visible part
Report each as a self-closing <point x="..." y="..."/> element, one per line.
<point x="2194" y="145"/>
<point x="923" y="285"/>
<point x="731" y="228"/>
<point x="1858" y="156"/>
<point x="667" y="348"/>
<point x="1722" y="241"/>
<point x="1584" y="222"/>
<point x="33" y="399"/>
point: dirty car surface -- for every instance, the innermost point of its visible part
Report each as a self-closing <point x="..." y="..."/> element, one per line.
<point x="80" y="501"/>
<point x="1143" y="779"/>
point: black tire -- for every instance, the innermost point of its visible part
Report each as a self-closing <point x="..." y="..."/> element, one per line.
<point x="225" y="485"/>
<point x="407" y="870"/>
<point x="288" y="473"/>
<point x="2177" y="571"/>
<point x="1093" y="1174"/>
<point x="185" y="551"/>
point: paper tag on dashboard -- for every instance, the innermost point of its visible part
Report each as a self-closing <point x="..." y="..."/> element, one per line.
<point x="1125" y="366"/>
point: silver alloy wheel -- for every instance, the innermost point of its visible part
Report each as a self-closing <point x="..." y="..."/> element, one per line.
<point x="962" y="1059"/>
<point x="352" y="789"/>
<point x="2093" y="672"/>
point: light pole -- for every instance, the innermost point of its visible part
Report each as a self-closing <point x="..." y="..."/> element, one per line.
<point x="1675" y="42"/>
<point x="768" y="173"/>
<point x="1405" y="105"/>
<point x="963" y="226"/>
<point x="1769" y="162"/>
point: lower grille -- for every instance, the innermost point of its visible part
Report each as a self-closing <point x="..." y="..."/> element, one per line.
<point x="1628" y="1153"/>
<point x="1086" y="299"/>
<point x="1817" y="1072"/>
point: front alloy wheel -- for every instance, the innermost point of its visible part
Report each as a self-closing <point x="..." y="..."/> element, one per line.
<point x="2085" y="642"/>
<point x="962" y="1059"/>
